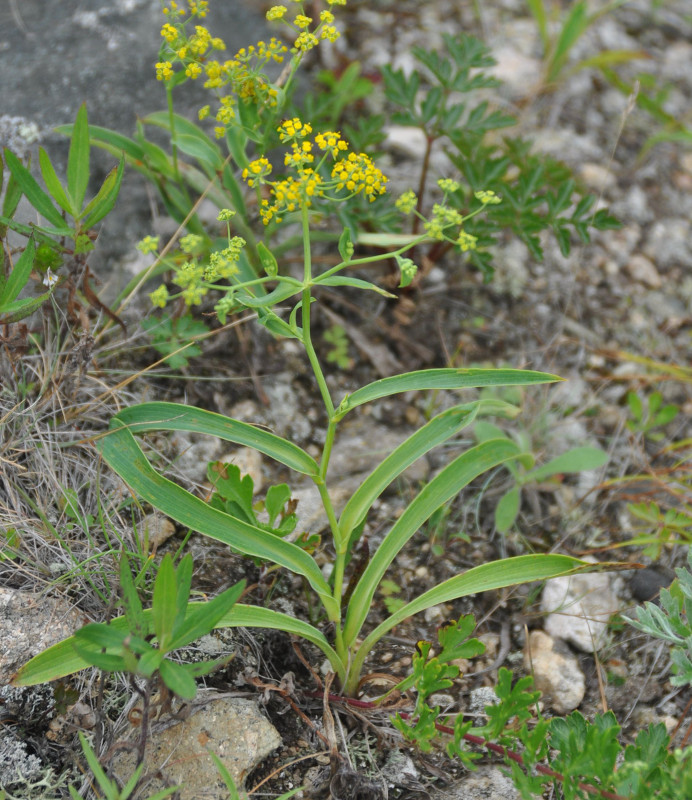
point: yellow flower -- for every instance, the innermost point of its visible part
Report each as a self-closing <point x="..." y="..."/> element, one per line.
<point x="331" y="140"/>
<point x="448" y="185"/>
<point x="256" y="171"/>
<point x="204" y="112"/>
<point x="198" y="8"/>
<point x="327" y="16"/>
<point x="159" y="297"/>
<point x="169" y="33"/>
<point x="302" y="22"/>
<point x="406" y="203"/>
<point x="330" y="33"/>
<point x="149" y="244"/>
<point x="193" y="70"/>
<point x="219" y="131"/>
<point x="293" y="129"/>
<point x="305" y="41"/>
<point x="164" y="71"/>
<point x="276" y="12"/>
<point x="225" y="214"/>
<point x="466" y="241"/>
<point x="487" y="197"/>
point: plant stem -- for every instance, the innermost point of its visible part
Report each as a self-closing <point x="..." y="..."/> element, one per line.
<point x="171" y="124"/>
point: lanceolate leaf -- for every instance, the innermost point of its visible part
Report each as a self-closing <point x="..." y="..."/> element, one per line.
<point x="34" y="194"/>
<point x="61" y="659"/>
<point x="441" y="379"/>
<point x="50" y="178"/>
<point x="438" y="430"/>
<point x="442" y="487"/>
<point x="105" y="199"/>
<point x="78" y="160"/>
<point x="495" y="575"/>
<point x="176" y="417"/>
<point x="19" y="276"/>
<point x="122" y="453"/>
<point x="356" y="283"/>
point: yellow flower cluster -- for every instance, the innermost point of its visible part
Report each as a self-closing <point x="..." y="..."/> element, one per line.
<point x="406" y="203"/>
<point x="256" y="171"/>
<point x="351" y="173"/>
<point x="308" y="39"/>
<point x="242" y="76"/>
<point x="196" y="276"/>
<point x="442" y="218"/>
<point x="357" y="172"/>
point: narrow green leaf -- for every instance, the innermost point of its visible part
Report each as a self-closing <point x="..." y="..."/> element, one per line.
<point x="442" y="488"/>
<point x="122" y="453"/>
<point x="268" y="260"/>
<point x="131" y="602"/>
<point x="164" y="602"/>
<point x="178" y="680"/>
<point x="573" y="27"/>
<point x="203" y="149"/>
<point x="19" y="276"/>
<point x="20" y="309"/>
<point x="441" y="379"/>
<point x="183" y="578"/>
<point x="50" y="178"/>
<point x="486" y="577"/>
<point x="78" y="159"/>
<point x="107" y="786"/>
<point x="61" y="659"/>
<point x="204" y="619"/>
<point x="34" y="194"/>
<point x="438" y="430"/>
<point x="576" y="460"/>
<point x="356" y="283"/>
<point x="390" y="239"/>
<point x="537" y="8"/>
<point x="175" y="417"/>
<point x="346" y="246"/>
<point x="13" y="194"/>
<point x="105" y="199"/>
<point x="507" y="509"/>
<point x="111" y="141"/>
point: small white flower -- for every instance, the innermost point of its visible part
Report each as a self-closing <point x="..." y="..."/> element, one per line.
<point x="50" y="278"/>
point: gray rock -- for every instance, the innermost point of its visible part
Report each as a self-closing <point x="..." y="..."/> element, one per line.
<point x="29" y="624"/>
<point x="233" y="728"/>
<point x="486" y="783"/>
<point x="556" y="672"/>
<point x="579" y="608"/>
<point x="155" y="529"/>
<point x="642" y="270"/>
<point x="193" y="453"/>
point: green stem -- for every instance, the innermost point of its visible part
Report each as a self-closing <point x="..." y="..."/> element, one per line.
<point x="356" y="262"/>
<point x="171" y="125"/>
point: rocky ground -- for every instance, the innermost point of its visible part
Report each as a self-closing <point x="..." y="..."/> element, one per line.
<point x="613" y="317"/>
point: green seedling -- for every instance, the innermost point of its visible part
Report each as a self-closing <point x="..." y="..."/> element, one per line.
<point x="649" y="413"/>
<point x="110" y="788"/>
<point x="174" y="338"/>
<point x="575" y="21"/>
<point x="338" y="354"/>
<point x="524" y="473"/>
<point x="60" y="199"/>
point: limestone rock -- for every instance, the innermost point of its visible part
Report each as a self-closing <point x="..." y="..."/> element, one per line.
<point x="486" y="783"/>
<point x="579" y="608"/>
<point x="233" y="728"/>
<point x="31" y="623"/>
<point x="556" y="672"/>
